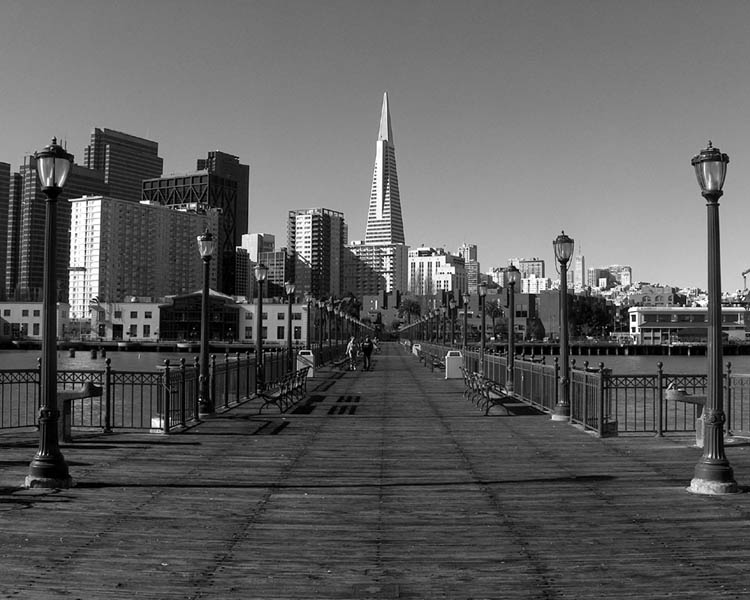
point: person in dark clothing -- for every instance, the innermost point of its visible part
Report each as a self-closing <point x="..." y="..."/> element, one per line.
<point x="367" y="348"/>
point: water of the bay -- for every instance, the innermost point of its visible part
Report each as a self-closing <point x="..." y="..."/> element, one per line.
<point x="122" y="361"/>
<point x="149" y="361"/>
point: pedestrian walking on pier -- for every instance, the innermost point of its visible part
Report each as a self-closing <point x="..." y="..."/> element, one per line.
<point x="367" y="348"/>
<point x="351" y="354"/>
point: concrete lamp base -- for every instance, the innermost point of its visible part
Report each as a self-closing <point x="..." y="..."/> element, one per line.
<point x="712" y="488"/>
<point x="33" y="481"/>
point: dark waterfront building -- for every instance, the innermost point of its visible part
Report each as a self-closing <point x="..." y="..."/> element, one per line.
<point x="180" y="319"/>
<point x="125" y="160"/>
<point x="222" y="183"/>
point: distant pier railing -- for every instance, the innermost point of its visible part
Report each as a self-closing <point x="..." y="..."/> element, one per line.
<point x="609" y="404"/>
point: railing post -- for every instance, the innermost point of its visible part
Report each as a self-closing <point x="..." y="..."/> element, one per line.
<point x="237" y="398"/>
<point x="107" y="396"/>
<point x="603" y="384"/>
<point x="557" y="387"/>
<point x="197" y="388"/>
<point x="586" y="396"/>
<point x="247" y="374"/>
<point x="226" y="380"/>
<point x="182" y="395"/>
<point x="212" y="377"/>
<point x="728" y="397"/>
<point x="660" y="399"/>
<point x="167" y="398"/>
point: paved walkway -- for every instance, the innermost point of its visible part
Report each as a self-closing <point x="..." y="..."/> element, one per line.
<point x="389" y="485"/>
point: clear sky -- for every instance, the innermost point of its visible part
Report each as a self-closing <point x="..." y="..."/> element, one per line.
<point x="511" y="120"/>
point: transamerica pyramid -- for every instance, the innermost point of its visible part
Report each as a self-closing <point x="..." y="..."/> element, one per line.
<point x="384" y="222"/>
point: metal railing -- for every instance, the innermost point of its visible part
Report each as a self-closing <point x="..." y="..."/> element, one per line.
<point x="164" y="400"/>
<point x="608" y="404"/>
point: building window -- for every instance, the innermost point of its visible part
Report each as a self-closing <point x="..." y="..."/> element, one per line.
<point x="35" y="328"/>
<point x="280" y="332"/>
<point x="37" y="312"/>
<point x="6" y="312"/>
<point x="133" y="314"/>
<point x="297" y="316"/>
<point x="25" y="312"/>
<point x="248" y="316"/>
<point x="118" y="314"/>
<point x="147" y="315"/>
<point x="297" y="332"/>
<point x="147" y="331"/>
<point x="280" y="316"/>
<point x="264" y="332"/>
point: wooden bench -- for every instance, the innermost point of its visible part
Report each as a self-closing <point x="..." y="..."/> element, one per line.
<point x="484" y="392"/>
<point x="65" y="398"/>
<point x="436" y="361"/>
<point x="286" y="392"/>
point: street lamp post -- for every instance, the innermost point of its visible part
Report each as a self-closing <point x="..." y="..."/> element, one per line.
<point x="482" y="289"/>
<point x="206" y="247"/>
<point x="452" y="304"/>
<point x="321" y="309"/>
<point x="444" y="321"/>
<point x="289" y="287"/>
<point x="563" y="246"/>
<point x="465" y="298"/>
<point x="48" y="468"/>
<point x="261" y="272"/>
<point x="713" y="475"/>
<point x="513" y="277"/>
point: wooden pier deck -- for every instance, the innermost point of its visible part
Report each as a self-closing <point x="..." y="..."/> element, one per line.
<point x="386" y="484"/>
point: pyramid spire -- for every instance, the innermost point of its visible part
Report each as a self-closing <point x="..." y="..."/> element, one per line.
<point x="385" y="132"/>
<point x="384" y="223"/>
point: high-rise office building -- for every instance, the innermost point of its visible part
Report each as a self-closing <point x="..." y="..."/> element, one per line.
<point x="125" y="160"/>
<point x="316" y="241"/>
<point x="369" y="269"/>
<point x="221" y="183"/>
<point x="528" y="266"/>
<point x="26" y="225"/>
<point x="433" y="270"/>
<point x="4" y="211"/>
<point x="121" y="249"/>
<point x="384" y="221"/>
<point x="578" y="272"/>
<point x="469" y="253"/>
<point x="229" y="166"/>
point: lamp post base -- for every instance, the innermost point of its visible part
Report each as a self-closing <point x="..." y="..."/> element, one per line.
<point x="48" y="473"/>
<point x="713" y="478"/>
<point x="561" y="415"/>
<point x="52" y="483"/>
<point x="712" y="488"/>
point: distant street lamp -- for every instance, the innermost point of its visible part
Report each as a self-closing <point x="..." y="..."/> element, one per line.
<point x="261" y="272"/>
<point x="563" y="246"/>
<point x="513" y="277"/>
<point x="206" y="247"/>
<point x="48" y="468"/>
<point x="452" y="304"/>
<point x="308" y="330"/>
<point x="465" y="298"/>
<point x="482" y="289"/>
<point x="289" y="287"/>
<point x="444" y="320"/>
<point x="713" y="475"/>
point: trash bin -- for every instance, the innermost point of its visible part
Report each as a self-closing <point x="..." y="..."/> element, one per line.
<point x="454" y="360"/>
<point x="416" y="349"/>
<point x="306" y="358"/>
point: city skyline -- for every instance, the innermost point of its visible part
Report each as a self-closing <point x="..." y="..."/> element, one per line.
<point x="515" y="120"/>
